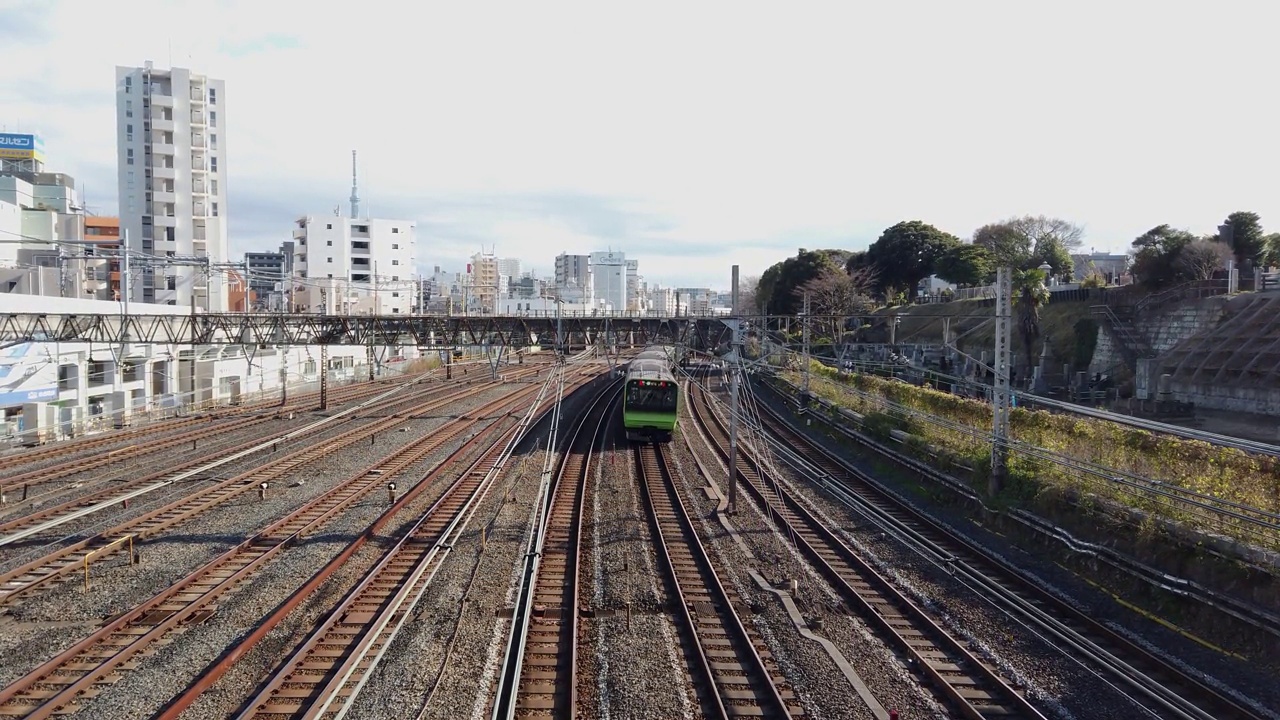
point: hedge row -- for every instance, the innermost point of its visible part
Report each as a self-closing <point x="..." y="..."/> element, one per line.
<point x="960" y="427"/>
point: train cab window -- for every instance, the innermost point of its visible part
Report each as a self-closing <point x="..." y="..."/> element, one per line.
<point x="652" y="395"/>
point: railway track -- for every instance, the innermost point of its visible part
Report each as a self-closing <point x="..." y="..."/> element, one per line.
<point x="732" y="669"/>
<point x="326" y="673"/>
<point x="96" y="662"/>
<point x="13" y="530"/>
<point x="18" y="459"/>
<point x="141" y="453"/>
<point x="1151" y="681"/>
<point x="41" y="571"/>
<point x="967" y="684"/>
<point x="539" y="670"/>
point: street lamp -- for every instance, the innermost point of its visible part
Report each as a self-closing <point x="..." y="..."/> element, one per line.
<point x="1047" y="269"/>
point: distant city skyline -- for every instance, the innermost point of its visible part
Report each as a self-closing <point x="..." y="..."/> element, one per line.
<point x="803" y="127"/>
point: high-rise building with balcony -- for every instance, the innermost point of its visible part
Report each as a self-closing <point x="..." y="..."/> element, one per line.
<point x="171" y="148"/>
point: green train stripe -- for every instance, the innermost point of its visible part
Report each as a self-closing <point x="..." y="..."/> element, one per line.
<point x="662" y="421"/>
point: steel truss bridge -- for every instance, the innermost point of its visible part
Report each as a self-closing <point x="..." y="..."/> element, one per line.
<point x="420" y="330"/>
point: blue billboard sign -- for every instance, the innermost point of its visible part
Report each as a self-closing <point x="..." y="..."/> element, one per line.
<point x="21" y="146"/>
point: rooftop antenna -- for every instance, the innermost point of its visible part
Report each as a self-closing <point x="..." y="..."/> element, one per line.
<point x="355" y="199"/>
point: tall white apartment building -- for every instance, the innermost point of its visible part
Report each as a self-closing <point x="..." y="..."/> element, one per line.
<point x="662" y="301"/>
<point x="362" y="265"/>
<point x="484" y="283"/>
<point x="609" y="277"/>
<point x="635" y="298"/>
<point x="573" y="278"/>
<point x="172" y="164"/>
<point x="508" y="274"/>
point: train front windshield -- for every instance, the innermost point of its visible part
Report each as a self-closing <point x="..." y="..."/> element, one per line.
<point x="651" y="396"/>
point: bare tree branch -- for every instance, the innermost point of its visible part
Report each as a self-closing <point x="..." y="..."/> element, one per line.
<point x="838" y="294"/>
<point x="1200" y="258"/>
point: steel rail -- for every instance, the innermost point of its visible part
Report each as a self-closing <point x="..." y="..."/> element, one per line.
<point x="550" y="579"/>
<point x="1253" y="615"/>
<point x="1009" y="590"/>
<point x="203" y="468"/>
<point x="972" y="687"/>
<point x="36" y="573"/>
<point x="227" y="660"/>
<point x="387" y="592"/>
<point x="709" y="621"/>
<point x="75" y="673"/>
<point x="345" y="393"/>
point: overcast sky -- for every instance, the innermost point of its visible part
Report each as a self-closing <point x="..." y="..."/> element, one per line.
<point x="690" y="135"/>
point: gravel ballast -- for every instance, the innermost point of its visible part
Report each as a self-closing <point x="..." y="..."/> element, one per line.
<point x="117" y="587"/>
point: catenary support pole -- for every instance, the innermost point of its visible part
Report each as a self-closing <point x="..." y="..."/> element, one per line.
<point x="1000" y="397"/>
<point x="734" y="366"/>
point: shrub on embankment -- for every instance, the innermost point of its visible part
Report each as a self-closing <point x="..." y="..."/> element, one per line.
<point x="958" y="428"/>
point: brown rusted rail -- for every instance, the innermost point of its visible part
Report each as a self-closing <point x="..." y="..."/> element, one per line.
<point x="144" y="448"/>
<point x="17" y="459"/>
<point x="46" y="514"/>
<point x="335" y="658"/>
<point x="37" y="573"/>
<point x="733" y="670"/>
<point x="83" y="670"/>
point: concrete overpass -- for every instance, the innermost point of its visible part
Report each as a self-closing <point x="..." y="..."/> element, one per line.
<point x="407" y="330"/>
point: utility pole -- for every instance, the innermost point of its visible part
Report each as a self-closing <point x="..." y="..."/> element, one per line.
<point x="1001" y="393"/>
<point x="806" y="348"/>
<point x="735" y="367"/>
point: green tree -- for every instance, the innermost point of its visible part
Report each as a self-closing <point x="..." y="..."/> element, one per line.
<point x="1155" y="256"/>
<point x="965" y="265"/>
<point x="1243" y="232"/>
<point x="906" y="253"/>
<point x="1273" y="249"/>
<point x="776" y="291"/>
<point x="1049" y="249"/>
<point x="1008" y="246"/>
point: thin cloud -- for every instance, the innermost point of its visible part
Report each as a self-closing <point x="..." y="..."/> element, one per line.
<point x="737" y="133"/>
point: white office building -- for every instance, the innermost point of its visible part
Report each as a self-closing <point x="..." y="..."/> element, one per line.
<point x="171" y="147"/>
<point x="358" y="266"/>
<point x="609" y="278"/>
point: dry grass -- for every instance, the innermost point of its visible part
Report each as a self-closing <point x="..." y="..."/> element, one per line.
<point x="1128" y="458"/>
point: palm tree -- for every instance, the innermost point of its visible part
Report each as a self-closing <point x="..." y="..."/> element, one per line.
<point x="1031" y="292"/>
